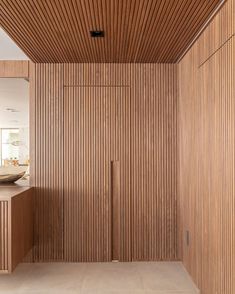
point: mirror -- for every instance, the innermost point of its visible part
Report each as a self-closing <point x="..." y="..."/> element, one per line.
<point x="14" y="129"/>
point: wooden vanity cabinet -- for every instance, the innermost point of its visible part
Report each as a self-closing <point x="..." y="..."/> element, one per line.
<point x="16" y="225"/>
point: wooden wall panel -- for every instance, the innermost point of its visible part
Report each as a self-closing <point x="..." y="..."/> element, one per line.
<point x="14" y="69"/>
<point x="219" y="31"/>
<point x="96" y="133"/>
<point x="116" y="209"/>
<point x="4" y="240"/>
<point x="153" y="161"/>
<point x="96" y="74"/>
<point x="32" y="121"/>
<point x="16" y="225"/>
<point x="21" y="226"/>
<point x="48" y="162"/>
<point x="135" y="31"/>
<point x="206" y="159"/>
<point x="140" y="104"/>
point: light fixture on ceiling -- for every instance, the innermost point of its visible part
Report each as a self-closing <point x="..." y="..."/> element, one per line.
<point x="97" y="34"/>
<point x="12" y="110"/>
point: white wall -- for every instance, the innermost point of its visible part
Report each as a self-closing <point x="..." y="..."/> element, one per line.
<point x="24" y="145"/>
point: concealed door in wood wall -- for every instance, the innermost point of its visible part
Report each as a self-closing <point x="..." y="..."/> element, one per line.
<point x="144" y="102"/>
<point x="96" y="135"/>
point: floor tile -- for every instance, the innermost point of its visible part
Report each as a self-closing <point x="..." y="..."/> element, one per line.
<point x="97" y="278"/>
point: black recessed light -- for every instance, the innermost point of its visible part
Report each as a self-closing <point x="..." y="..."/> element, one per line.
<point x="97" y="34"/>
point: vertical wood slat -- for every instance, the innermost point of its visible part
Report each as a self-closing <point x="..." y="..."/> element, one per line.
<point x="4" y="236"/>
<point x="115" y="194"/>
<point x="206" y="151"/>
<point x="16" y="226"/>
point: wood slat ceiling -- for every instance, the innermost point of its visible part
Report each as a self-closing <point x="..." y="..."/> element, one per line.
<point x="135" y="30"/>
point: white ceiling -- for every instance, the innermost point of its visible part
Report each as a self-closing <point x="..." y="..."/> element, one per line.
<point x="8" y="49"/>
<point x="14" y="94"/>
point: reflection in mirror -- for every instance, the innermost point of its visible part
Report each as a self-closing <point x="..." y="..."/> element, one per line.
<point x="14" y="129"/>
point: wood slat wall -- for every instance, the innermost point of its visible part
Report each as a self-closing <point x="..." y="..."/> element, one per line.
<point x="206" y="156"/>
<point x="21" y="226"/>
<point x="16" y="225"/>
<point x="153" y="161"/>
<point x="47" y="161"/>
<point x="4" y="240"/>
<point x="218" y="32"/>
<point x="88" y="115"/>
<point x="135" y="31"/>
<point x="96" y="133"/>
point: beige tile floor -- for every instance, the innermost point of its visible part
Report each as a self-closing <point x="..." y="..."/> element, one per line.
<point x="97" y="278"/>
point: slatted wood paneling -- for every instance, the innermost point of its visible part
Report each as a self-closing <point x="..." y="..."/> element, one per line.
<point x="206" y="146"/>
<point x="218" y="32"/>
<point x="16" y="225"/>
<point x="153" y="155"/>
<point x="97" y="132"/>
<point x="48" y="162"/>
<point x="135" y="31"/>
<point x="21" y="226"/>
<point x="88" y="115"/>
<point x="101" y="95"/>
<point x="4" y="240"/>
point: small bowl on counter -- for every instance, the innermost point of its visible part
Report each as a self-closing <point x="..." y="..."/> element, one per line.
<point x="11" y="174"/>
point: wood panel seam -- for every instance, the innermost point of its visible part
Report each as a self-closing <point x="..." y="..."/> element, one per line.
<point x="217" y="50"/>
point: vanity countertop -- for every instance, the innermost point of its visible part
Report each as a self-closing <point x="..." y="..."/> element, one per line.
<point x="11" y="190"/>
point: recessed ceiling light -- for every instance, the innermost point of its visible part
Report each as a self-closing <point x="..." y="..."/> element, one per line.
<point x="97" y="34"/>
<point x="12" y="110"/>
